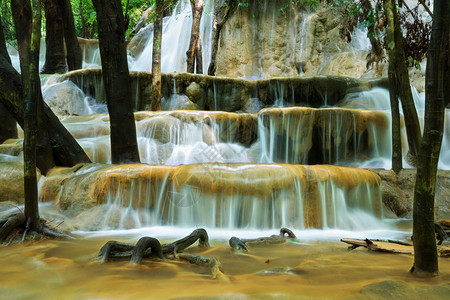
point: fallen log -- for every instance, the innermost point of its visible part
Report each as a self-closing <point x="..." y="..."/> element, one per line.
<point x="390" y="246"/>
<point x="384" y="246"/>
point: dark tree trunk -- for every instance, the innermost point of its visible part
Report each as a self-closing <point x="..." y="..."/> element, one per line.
<point x="55" y="57"/>
<point x="22" y="18"/>
<point x="21" y="12"/>
<point x="66" y="151"/>
<point x="31" y="127"/>
<point x="156" y="55"/>
<point x="402" y="83"/>
<point x="8" y="126"/>
<point x="221" y="14"/>
<point x="111" y="33"/>
<point x="425" y="252"/>
<point x="194" y="44"/>
<point x="393" y="93"/>
<point x="74" y="55"/>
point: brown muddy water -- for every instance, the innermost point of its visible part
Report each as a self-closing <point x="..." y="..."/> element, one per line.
<point x="312" y="270"/>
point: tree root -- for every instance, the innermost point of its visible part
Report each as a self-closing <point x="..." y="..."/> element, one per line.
<point x="212" y="262"/>
<point x="150" y="247"/>
<point x="242" y="244"/>
<point x="142" y="245"/>
<point x="11" y="222"/>
<point x="17" y="225"/>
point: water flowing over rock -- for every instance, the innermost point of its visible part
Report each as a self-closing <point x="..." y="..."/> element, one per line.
<point x="217" y="195"/>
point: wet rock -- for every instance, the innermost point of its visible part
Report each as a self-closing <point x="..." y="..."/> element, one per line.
<point x="65" y="98"/>
<point x="163" y="128"/>
<point x="12" y="182"/>
<point x="398" y="191"/>
<point x="394" y="289"/>
<point x="394" y="199"/>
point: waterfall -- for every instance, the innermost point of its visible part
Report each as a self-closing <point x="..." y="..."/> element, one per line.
<point x="223" y="195"/>
<point x="175" y="40"/>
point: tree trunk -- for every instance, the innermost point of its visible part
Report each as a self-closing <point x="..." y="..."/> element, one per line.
<point x="55" y="56"/>
<point x="194" y="44"/>
<point x="8" y="126"/>
<point x="402" y="83"/>
<point x="31" y="128"/>
<point x="393" y="93"/>
<point x="74" y="55"/>
<point x="66" y="151"/>
<point x="21" y="10"/>
<point x="221" y="14"/>
<point x="111" y="33"/>
<point x="425" y="255"/>
<point x="156" y="55"/>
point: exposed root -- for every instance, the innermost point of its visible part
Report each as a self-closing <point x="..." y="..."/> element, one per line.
<point x="287" y="231"/>
<point x="212" y="262"/>
<point x="237" y="244"/>
<point x="16" y="225"/>
<point x="11" y="223"/>
<point x="151" y="247"/>
<point x="199" y="234"/>
<point x="242" y="244"/>
<point x="114" y="249"/>
<point x="144" y="248"/>
<point x="143" y="244"/>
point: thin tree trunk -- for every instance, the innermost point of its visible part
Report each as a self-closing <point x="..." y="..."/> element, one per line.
<point x="395" y="116"/>
<point x="84" y="31"/>
<point x="31" y="128"/>
<point x="55" y="57"/>
<point x="74" y="55"/>
<point x="403" y="86"/>
<point x="111" y="33"/>
<point x="221" y="14"/>
<point x="425" y="252"/>
<point x="199" y="57"/>
<point x="197" y="9"/>
<point x="393" y="93"/>
<point x="156" y="56"/>
<point x="21" y="10"/>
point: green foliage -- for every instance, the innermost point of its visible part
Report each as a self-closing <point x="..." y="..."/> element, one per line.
<point x="86" y="18"/>
<point x="7" y="23"/>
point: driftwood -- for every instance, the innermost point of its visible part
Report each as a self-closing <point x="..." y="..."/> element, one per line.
<point x="241" y="244"/>
<point x="380" y="245"/>
<point x="390" y="246"/>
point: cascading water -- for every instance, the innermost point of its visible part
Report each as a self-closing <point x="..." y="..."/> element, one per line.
<point x="175" y="40"/>
<point x="186" y="148"/>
